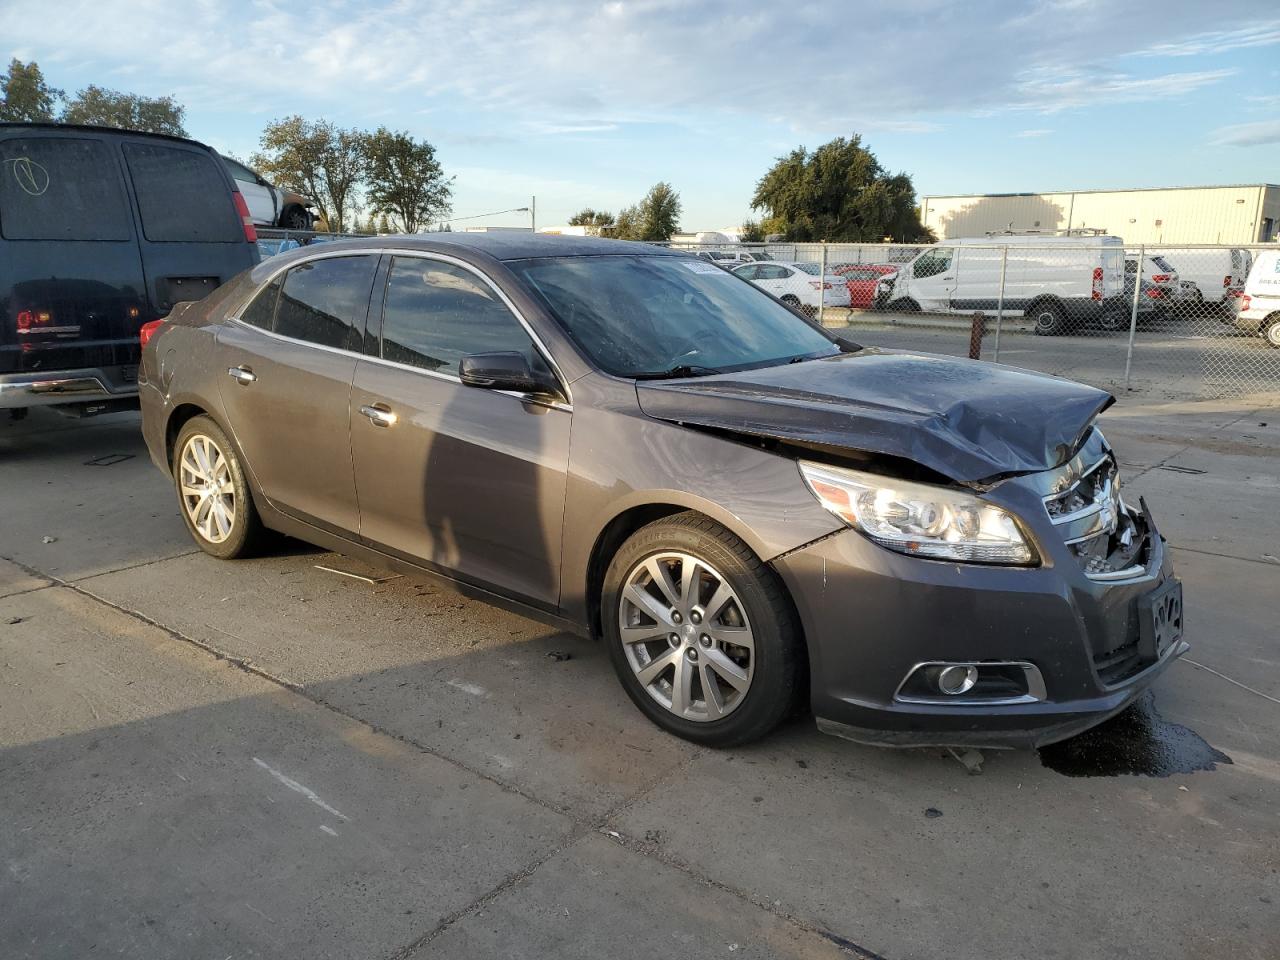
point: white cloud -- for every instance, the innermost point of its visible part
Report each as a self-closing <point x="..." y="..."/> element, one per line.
<point x="1052" y="90"/>
<point x="1247" y="134"/>
<point x="897" y="66"/>
<point x="1028" y="134"/>
<point x="1263" y="34"/>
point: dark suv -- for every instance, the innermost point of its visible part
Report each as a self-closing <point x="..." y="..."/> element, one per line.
<point x="102" y="231"/>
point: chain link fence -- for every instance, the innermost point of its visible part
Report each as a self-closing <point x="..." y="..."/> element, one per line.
<point x="1161" y="321"/>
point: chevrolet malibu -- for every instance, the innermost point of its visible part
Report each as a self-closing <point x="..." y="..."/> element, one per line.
<point x="752" y="514"/>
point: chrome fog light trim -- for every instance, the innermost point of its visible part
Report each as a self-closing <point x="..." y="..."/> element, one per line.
<point x="975" y="683"/>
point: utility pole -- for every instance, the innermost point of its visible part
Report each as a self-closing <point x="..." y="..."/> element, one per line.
<point x="533" y="214"/>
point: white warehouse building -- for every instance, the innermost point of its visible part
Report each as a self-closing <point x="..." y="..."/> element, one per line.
<point x="1242" y="214"/>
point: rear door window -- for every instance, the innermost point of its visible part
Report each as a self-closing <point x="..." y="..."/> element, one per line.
<point x="261" y="311"/>
<point x="436" y="313"/>
<point x="182" y="195"/>
<point x="61" y="188"/>
<point x="325" y="301"/>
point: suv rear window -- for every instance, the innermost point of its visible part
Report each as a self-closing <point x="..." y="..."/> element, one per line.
<point x="61" y="188"/>
<point x="182" y="195"/>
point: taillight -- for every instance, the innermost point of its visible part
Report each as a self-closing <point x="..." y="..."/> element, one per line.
<point x="33" y="318"/>
<point x="1155" y="293"/>
<point x="148" y="330"/>
<point x="242" y="208"/>
<point x="1226" y="281"/>
<point x="1097" y="283"/>
<point x="1245" y="300"/>
<point x="1160" y="278"/>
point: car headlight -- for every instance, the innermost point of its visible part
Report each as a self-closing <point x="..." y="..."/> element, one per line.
<point x="918" y="519"/>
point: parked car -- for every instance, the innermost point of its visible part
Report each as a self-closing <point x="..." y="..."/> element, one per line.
<point x="1258" y="307"/>
<point x="1062" y="283"/>
<point x="269" y="206"/>
<point x="721" y="258"/>
<point x="752" y="513"/>
<point x="102" y="231"/>
<point x="1156" y="270"/>
<point x="798" y="285"/>
<point x="863" y="280"/>
<point x="1219" y="273"/>
<point x="757" y="255"/>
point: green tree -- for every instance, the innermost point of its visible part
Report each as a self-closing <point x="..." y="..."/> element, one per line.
<point x="99" y="107"/>
<point x="839" y="192"/>
<point x="659" y="213"/>
<point x="405" y="179"/>
<point x="24" y="96"/>
<point x="627" y="224"/>
<point x="751" y="233"/>
<point x="598" y="222"/>
<point x="318" y="159"/>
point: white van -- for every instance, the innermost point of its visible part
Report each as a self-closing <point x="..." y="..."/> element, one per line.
<point x="1258" y="309"/>
<point x="1061" y="282"/>
<point x="1218" y="272"/>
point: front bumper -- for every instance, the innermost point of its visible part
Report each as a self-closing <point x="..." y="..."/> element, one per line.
<point x="871" y="615"/>
<point x="52" y="387"/>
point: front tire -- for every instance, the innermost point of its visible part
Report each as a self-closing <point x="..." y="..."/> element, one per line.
<point x="296" y="218"/>
<point x="213" y="493"/>
<point x="701" y="633"/>
<point x="1271" y="331"/>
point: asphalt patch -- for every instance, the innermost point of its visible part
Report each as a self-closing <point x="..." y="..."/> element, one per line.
<point x="1137" y="741"/>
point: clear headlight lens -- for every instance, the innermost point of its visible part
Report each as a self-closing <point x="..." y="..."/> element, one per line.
<point x="918" y="519"/>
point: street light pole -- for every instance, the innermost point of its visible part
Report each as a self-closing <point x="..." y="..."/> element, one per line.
<point x="533" y="214"/>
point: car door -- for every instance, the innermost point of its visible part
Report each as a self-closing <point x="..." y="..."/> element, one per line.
<point x="933" y="278"/>
<point x="258" y="196"/>
<point x="284" y="369"/>
<point x="467" y="480"/>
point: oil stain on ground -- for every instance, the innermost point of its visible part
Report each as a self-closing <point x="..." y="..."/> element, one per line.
<point x="1137" y="741"/>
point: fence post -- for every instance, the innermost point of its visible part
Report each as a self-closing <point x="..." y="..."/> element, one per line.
<point x="822" y="284"/>
<point x="1133" y="315"/>
<point x="1004" y="262"/>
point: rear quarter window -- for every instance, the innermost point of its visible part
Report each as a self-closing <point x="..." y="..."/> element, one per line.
<point x="61" y="188"/>
<point x="182" y="195"/>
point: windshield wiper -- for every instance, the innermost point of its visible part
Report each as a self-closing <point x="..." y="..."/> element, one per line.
<point x="677" y="372"/>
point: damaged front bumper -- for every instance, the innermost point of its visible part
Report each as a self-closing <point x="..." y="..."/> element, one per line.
<point x="1038" y="653"/>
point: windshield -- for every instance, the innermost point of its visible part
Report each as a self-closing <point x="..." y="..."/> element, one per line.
<point x="650" y="316"/>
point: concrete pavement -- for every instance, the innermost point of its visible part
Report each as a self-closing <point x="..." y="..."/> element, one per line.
<point x="260" y="759"/>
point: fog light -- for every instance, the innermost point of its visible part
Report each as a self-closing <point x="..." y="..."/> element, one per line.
<point x="957" y="679"/>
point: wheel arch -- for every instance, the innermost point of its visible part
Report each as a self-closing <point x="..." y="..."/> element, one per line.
<point x="179" y="417"/>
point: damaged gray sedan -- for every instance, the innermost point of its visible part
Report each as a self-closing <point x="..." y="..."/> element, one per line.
<point x="752" y="514"/>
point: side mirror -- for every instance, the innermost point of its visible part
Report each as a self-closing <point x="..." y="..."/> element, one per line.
<point x="505" y="370"/>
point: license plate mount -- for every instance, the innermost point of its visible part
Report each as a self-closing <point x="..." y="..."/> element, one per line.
<point x="1160" y="620"/>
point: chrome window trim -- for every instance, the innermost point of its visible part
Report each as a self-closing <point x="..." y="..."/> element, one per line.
<point x="539" y="345"/>
<point x="1036" y="690"/>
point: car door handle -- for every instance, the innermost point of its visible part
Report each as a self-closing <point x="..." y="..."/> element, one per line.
<point x="242" y="375"/>
<point x="379" y="414"/>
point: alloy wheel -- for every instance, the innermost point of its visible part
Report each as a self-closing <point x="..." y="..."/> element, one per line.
<point x="686" y="636"/>
<point x="207" y="489"/>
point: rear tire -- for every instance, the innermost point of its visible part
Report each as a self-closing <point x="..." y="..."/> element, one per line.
<point x="713" y="651"/>
<point x="1049" y="319"/>
<point x="1114" y="320"/>
<point x="213" y="494"/>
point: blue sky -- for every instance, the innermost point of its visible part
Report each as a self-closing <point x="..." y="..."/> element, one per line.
<point x="589" y="103"/>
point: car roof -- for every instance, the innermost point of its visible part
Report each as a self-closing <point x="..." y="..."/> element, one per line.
<point x="8" y="125"/>
<point x="504" y="246"/>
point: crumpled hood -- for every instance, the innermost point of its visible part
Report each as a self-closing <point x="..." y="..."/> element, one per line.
<point x="965" y="419"/>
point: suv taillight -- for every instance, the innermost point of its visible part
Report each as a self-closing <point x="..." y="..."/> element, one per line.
<point x="148" y="329"/>
<point x="1097" y="283"/>
<point x="1245" y="300"/>
<point x="1160" y="278"/>
<point x="242" y="208"/>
